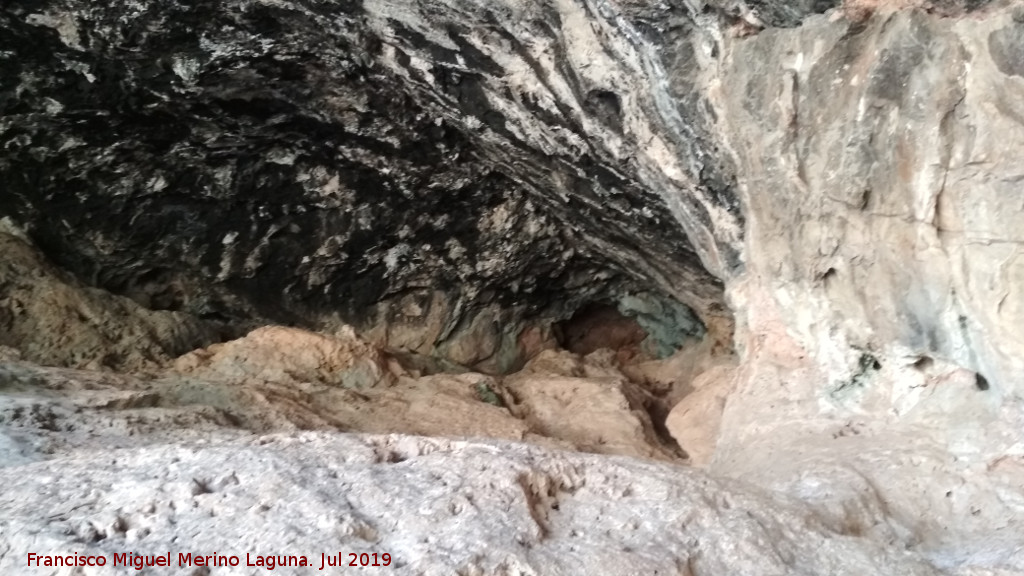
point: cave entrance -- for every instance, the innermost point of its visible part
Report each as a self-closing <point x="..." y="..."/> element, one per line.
<point x="638" y="327"/>
<point x="599" y="325"/>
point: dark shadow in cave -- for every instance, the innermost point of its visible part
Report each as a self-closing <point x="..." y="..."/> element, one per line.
<point x="600" y="325"/>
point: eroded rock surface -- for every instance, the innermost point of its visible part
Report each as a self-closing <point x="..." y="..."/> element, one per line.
<point x="51" y="318"/>
<point x="436" y="506"/>
<point x="297" y="161"/>
<point x="882" y="351"/>
<point x="282" y="379"/>
<point x="839" y="183"/>
<point x="586" y="402"/>
<point x="286" y="379"/>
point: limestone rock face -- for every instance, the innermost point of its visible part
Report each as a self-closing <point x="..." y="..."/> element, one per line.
<point x="832" y="188"/>
<point x="435" y="506"/>
<point x="289" y="356"/>
<point x="51" y="318"/>
<point x="882" y="348"/>
<point x="761" y="13"/>
<point x="894" y="209"/>
<point x="695" y="421"/>
<point x="591" y="406"/>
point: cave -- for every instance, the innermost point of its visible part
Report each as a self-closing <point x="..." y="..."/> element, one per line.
<point x="701" y="287"/>
<point x="597" y="326"/>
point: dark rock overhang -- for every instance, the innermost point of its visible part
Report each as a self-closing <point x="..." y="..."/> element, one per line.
<point x="287" y="160"/>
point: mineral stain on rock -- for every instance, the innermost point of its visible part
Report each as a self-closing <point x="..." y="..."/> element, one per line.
<point x="1006" y="46"/>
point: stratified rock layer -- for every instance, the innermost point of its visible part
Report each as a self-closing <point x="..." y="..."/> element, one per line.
<point x="295" y="161"/>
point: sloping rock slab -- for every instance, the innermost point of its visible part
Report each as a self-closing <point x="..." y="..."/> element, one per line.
<point x="435" y="506"/>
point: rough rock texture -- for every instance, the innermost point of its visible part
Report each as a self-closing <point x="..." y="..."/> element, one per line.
<point x="840" y="184"/>
<point x="695" y="421"/>
<point x="586" y="402"/>
<point x="891" y="156"/>
<point x="880" y="326"/>
<point x="40" y="405"/>
<point x="287" y="356"/>
<point x="285" y="379"/>
<point x="760" y="13"/>
<point x="289" y="378"/>
<point x="52" y="319"/>
<point x="299" y="160"/>
<point x="436" y="506"/>
<point x="278" y="378"/>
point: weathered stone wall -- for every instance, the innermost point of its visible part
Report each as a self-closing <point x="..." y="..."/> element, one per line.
<point x="880" y="174"/>
<point x="879" y="312"/>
